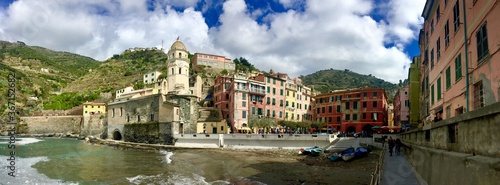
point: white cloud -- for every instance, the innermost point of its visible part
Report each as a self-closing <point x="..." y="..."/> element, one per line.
<point x="332" y="34"/>
<point x="322" y="35"/>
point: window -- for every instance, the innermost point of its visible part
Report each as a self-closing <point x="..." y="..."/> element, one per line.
<point x="338" y="119"/>
<point x="287" y="103"/>
<point x="286" y="115"/>
<point x="281" y="92"/>
<point x="281" y="83"/>
<point x="355" y="105"/>
<point x="432" y="58"/>
<point x="152" y="117"/>
<point x="438" y="88"/>
<point x="322" y="109"/>
<point x="138" y="118"/>
<point x="330" y="109"/>
<point x="330" y="119"/>
<point x="268" y="79"/>
<point x="113" y="113"/>
<point x="244" y="95"/>
<point x="180" y="70"/>
<point x="274" y="101"/>
<point x="354" y="117"/>
<point x="347" y="117"/>
<point x="432" y="26"/>
<point x="448" y="77"/>
<point x="338" y="108"/>
<point x="364" y="104"/>
<point x="438" y="14"/>
<point x="478" y="95"/>
<point x="281" y="114"/>
<point x="244" y="114"/>
<point x="274" y="90"/>
<point x="274" y="81"/>
<point x="268" y="100"/>
<point x="374" y="94"/>
<point x="347" y="105"/>
<point x="281" y="103"/>
<point x="374" y="104"/>
<point x="438" y="49"/>
<point x="365" y="94"/>
<point x="287" y="93"/>
<point x="458" y="68"/>
<point x="274" y="113"/>
<point x="244" y="104"/>
<point x="364" y="116"/>
<point x="253" y="110"/>
<point x="456" y="17"/>
<point x="85" y="112"/>
<point x="447" y="34"/>
<point x="432" y="94"/>
<point x="482" y="43"/>
<point x="317" y="110"/>
<point x="121" y="112"/>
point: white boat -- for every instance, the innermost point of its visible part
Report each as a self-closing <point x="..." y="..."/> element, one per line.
<point x="347" y="157"/>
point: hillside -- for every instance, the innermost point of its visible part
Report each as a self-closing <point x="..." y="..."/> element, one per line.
<point x="40" y="72"/>
<point x="121" y="70"/>
<point x="331" y="79"/>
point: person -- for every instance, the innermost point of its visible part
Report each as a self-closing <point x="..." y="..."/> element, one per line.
<point x="398" y="146"/>
<point x="391" y="145"/>
<point x="438" y="117"/>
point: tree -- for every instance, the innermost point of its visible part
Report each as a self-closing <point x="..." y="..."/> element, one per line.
<point x="224" y="72"/>
<point x="139" y="85"/>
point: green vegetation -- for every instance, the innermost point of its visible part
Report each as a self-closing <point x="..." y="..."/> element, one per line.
<point x="242" y="64"/>
<point x="331" y="79"/>
<point x="66" y="100"/>
<point x="266" y="123"/>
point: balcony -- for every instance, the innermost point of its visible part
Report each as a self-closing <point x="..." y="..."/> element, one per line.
<point x="257" y="91"/>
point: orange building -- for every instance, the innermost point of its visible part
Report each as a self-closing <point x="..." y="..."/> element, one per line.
<point x="352" y="110"/>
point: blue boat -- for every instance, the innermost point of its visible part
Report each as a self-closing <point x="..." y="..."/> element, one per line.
<point x="361" y="152"/>
<point x="307" y="151"/>
<point x="334" y="157"/>
<point x="316" y="151"/>
<point x="348" y="154"/>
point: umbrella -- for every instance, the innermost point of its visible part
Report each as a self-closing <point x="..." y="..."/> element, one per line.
<point x="376" y="127"/>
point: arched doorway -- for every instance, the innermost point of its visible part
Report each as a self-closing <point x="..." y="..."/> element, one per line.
<point x="351" y="129"/>
<point x="117" y="135"/>
<point x="367" y="129"/>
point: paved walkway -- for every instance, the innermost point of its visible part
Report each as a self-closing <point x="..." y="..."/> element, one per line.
<point x="398" y="171"/>
<point x="344" y="143"/>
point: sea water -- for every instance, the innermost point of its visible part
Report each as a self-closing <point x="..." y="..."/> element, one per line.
<point x="70" y="161"/>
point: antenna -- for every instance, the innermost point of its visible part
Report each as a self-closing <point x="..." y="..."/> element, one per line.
<point x="162" y="44"/>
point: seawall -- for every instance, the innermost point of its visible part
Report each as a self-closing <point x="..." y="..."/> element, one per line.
<point x="464" y="149"/>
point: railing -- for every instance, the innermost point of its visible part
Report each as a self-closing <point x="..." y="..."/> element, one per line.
<point x="377" y="174"/>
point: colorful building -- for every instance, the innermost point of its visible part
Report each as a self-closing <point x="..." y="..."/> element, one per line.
<point x="401" y="106"/>
<point x="151" y="77"/>
<point x="94" y="108"/>
<point x="352" y="110"/>
<point x="414" y="92"/>
<point x="213" y="61"/>
<point x="275" y="94"/>
<point x="460" y="44"/>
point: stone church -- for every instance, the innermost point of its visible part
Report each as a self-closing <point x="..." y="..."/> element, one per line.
<point x="154" y="115"/>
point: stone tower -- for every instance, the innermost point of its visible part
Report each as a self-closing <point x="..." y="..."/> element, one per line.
<point x="178" y="68"/>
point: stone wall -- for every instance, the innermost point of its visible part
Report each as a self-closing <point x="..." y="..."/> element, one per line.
<point x="95" y="126"/>
<point x="52" y="124"/>
<point x="464" y="148"/>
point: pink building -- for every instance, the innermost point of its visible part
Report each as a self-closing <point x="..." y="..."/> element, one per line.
<point x="401" y="107"/>
<point x="275" y="94"/>
<point x="461" y="68"/>
<point x="213" y="61"/>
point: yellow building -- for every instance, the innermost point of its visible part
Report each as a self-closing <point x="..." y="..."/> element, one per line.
<point x="291" y="101"/>
<point x="93" y="108"/>
<point x="210" y="121"/>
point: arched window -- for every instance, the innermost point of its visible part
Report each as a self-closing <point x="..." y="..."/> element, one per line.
<point x="172" y="70"/>
<point x="180" y="70"/>
<point x="180" y="54"/>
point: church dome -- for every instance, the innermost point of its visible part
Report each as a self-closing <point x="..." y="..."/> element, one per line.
<point x="178" y="45"/>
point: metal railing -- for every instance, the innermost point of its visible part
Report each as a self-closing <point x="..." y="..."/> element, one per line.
<point x="377" y="174"/>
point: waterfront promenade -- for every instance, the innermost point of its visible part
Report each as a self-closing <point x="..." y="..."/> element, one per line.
<point x="398" y="171"/>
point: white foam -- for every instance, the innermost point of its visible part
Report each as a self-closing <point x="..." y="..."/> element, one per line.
<point x="24" y="173"/>
<point x="21" y="141"/>
<point x="168" y="156"/>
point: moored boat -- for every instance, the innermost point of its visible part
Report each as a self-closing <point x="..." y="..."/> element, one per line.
<point x="307" y="151"/>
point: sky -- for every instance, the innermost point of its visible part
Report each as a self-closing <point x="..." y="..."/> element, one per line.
<point x="298" y="37"/>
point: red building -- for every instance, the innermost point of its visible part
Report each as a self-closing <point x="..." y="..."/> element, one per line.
<point x="352" y="110"/>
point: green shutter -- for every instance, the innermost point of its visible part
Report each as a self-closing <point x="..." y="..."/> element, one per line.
<point x="438" y="88"/>
<point x="448" y="77"/>
<point x="432" y="94"/>
<point x="458" y="68"/>
<point x="268" y="89"/>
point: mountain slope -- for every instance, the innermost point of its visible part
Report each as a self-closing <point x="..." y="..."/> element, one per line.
<point x="331" y="79"/>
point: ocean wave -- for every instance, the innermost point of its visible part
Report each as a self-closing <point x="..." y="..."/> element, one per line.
<point x="25" y="174"/>
<point x="175" y="179"/>
<point x="168" y="156"/>
<point x="21" y="141"/>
